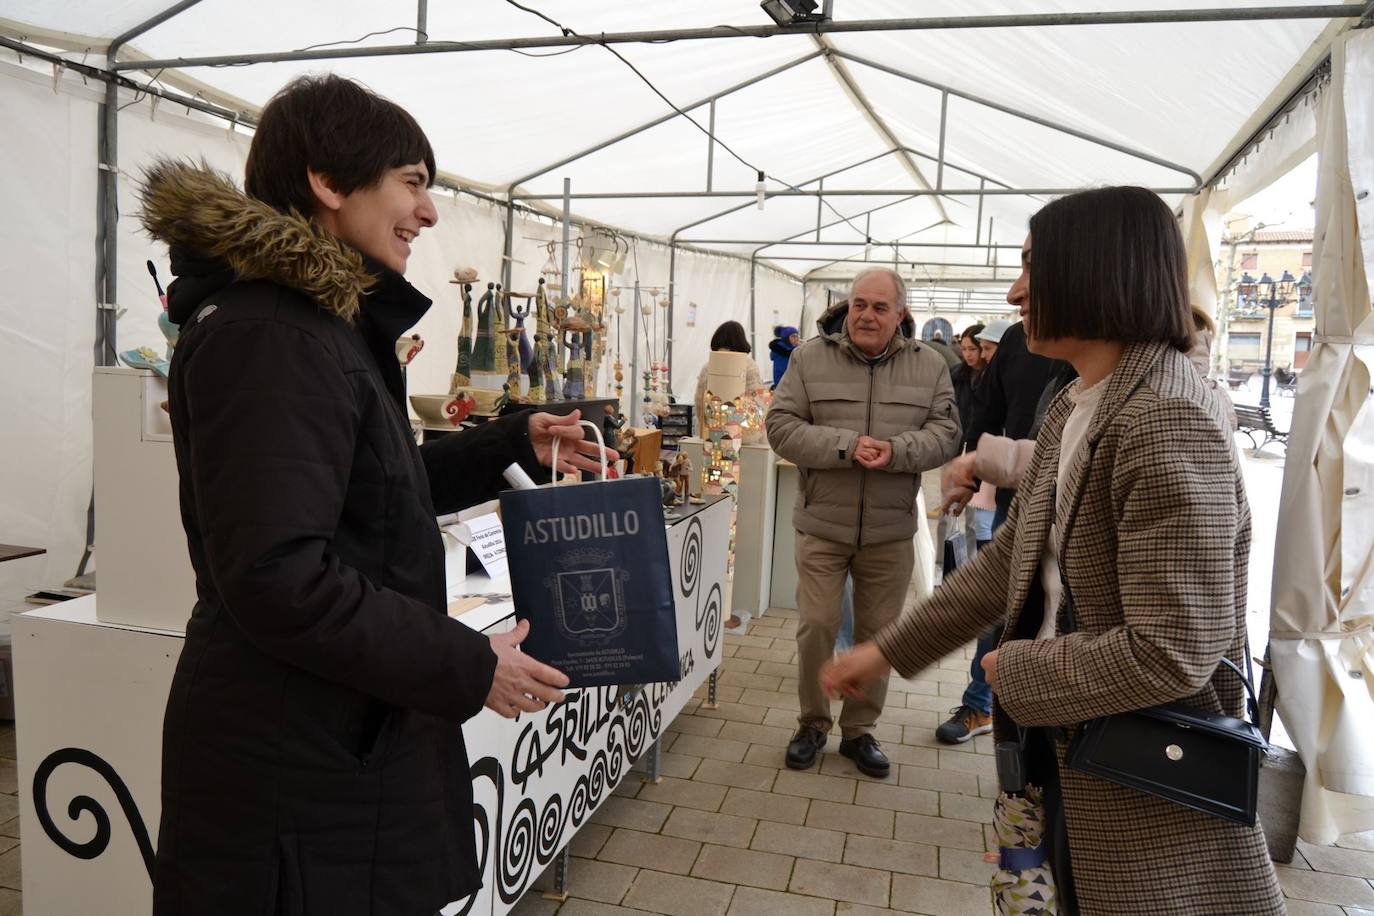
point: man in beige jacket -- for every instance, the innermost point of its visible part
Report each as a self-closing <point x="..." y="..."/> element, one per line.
<point x="862" y="410"/>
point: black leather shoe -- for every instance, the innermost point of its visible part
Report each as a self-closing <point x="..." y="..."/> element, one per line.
<point x="806" y="744"/>
<point x="866" y="754"/>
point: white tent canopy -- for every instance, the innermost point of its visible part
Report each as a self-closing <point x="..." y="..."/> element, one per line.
<point x="924" y="144"/>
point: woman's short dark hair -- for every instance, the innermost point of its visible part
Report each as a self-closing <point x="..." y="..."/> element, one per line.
<point x="730" y="336"/>
<point x="1109" y="264"/>
<point x="335" y="127"/>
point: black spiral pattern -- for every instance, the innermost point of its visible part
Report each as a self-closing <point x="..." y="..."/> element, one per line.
<point x="710" y="615"/>
<point x="84" y="804"/>
<point x="551" y="823"/>
<point x="689" y="565"/>
<point x="579" y="803"/>
<point x="517" y="851"/>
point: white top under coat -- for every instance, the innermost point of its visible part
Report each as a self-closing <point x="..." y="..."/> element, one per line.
<point x="1073" y="446"/>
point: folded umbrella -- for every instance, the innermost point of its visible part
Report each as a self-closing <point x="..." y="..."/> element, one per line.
<point x="1023" y="884"/>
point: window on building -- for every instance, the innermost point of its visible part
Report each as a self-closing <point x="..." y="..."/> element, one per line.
<point x="1302" y="343"/>
<point x="1249" y="260"/>
<point x="1244" y="342"/>
<point x="1307" y="260"/>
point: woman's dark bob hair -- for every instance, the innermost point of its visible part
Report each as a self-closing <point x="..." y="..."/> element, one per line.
<point x="335" y="127"/>
<point x="1109" y="264"/>
<point x="730" y="336"/>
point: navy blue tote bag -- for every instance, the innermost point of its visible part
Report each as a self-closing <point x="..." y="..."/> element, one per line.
<point x="589" y="570"/>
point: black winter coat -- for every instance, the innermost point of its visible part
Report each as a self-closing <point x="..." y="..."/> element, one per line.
<point x="313" y="760"/>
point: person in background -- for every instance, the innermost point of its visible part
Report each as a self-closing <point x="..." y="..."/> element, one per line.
<point x="1132" y="514"/>
<point x="937" y="343"/>
<point x="730" y="337"/>
<point x="785" y="340"/>
<point x="862" y="411"/>
<point x="312" y="742"/>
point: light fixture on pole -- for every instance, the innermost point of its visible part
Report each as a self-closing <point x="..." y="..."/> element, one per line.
<point x="1272" y="294"/>
<point x="792" y="12"/>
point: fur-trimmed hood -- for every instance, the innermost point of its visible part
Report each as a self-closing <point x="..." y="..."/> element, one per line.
<point x="205" y="219"/>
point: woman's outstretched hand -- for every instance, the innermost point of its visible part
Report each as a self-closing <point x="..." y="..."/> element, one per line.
<point x="849" y="674"/>
<point x="574" y="452"/>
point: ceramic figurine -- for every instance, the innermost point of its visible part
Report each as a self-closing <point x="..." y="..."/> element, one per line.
<point x="538" y="392"/>
<point x="498" y="330"/>
<point x="680" y="473"/>
<point x="462" y="369"/>
<point x="611" y="424"/>
<point x="484" y="340"/>
<point x="407" y="348"/>
<point x="574" y="384"/>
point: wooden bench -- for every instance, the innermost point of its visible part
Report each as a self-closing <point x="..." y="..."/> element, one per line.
<point x="1251" y="420"/>
<point x="1236" y="378"/>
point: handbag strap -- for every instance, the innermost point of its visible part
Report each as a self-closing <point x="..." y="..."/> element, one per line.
<point x="1070" y="619"/>
<point x="600" y="440"/>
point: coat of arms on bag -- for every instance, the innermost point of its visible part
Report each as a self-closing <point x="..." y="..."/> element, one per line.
<point x="589" y="597"/>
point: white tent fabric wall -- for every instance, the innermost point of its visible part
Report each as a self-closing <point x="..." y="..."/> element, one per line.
<point x="1322" y="644"/>
<point x="47" y="322"/>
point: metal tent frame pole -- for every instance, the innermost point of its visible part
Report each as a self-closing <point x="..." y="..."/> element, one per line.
<point x="934" y="23"/>
<point x="834" y="192"/>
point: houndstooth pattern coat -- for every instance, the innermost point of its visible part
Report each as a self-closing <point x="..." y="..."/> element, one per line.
<point x="1157" y="566"/>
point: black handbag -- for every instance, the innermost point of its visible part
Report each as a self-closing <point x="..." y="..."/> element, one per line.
<point x="1202" y="760"/>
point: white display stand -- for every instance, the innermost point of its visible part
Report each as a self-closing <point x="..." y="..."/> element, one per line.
<point x="89" y="715"/>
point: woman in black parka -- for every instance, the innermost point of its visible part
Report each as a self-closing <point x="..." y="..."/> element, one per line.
<point x="313" y="761"/>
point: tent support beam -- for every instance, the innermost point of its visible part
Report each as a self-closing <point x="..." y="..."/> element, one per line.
<point x="947" y="91"/>
<point x="940" y="161"/>
<point x="851" y="88"/>
<point x="421" y="21"/>
<point x="846" y="192"/>
<point x="711" y="146"/>
<point x="846" y="243"/>
<point x="672" y="302"/>
<point x="934" y="23"/>
<point x="708" y="100"/>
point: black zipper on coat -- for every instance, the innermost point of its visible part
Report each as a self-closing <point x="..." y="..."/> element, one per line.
<point x="863" y="471"/>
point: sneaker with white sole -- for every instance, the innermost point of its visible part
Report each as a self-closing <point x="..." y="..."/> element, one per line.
<point x="964" y="723"/>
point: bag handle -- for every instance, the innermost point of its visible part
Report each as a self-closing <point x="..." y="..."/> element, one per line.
<point x="600" y="440"/>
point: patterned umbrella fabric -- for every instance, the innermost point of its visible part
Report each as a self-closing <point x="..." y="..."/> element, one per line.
<point x="1023" y="884"/>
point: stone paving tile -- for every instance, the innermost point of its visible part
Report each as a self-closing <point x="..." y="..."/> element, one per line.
<point x="892" y="855"/>
<point x="760" y="642"/>
<point x="10" y="827"/>
<point x="897" y="752"/>
<point x="684" y="792"/>
<point x="850" y="818"/>
<point x="785" y="718"/>
<point x="675" y="895"/>
<point x="1349" y="911"/>
<point x="735" y="713"/>
<point x="813" y="785"/>
<point x="1318" y="887"/>
<point x="680" y="766"/>
<point x="589" y="839"/>
<point x="9" y="807"/>
<point x="833" y="881"/>
<point x="940" y="705"/>
<point x="712" y="748"/>
<point x="576" y="907"/>
<point x="940" y="780"/>
<point x="777" y="668"/>
<point x="744" y="866"/>
<point x="980" y="764"/>
<point x="896" y="798"/>
<point x="633" y="813"/>
<point x="770" y="735"/>
<point x="759" y="681"/>
<point x="766" y="806"/>
<point x="9" y="777"/>
<point x="965" y="865"/>
<point x="974" y="808"/>
<point x="724" y="693"/>
<point x="921" y="688"/>
<point x="742" y="775"/>
<point x="752" y="901"/>
<point x="1308" y="908"/>
<point x="695" y="725"/>
<point x="629" y="785"/>
<point x="836" y="765"/>
<point x="710" y="827"/>
<point x="802" y="842"/>
<point x="918" y="828"/>
<point x="772" y="698"/>
<point x="858" y="909"/>
<point x="649" y="850"/>
<point x="1338" y="861"/>
<point x="938" y="897"/>
<point x="742" y="665"/>
<point x="916" y="717"/>
<point x="782" y="656"/>
<point x="604" y="882"/>
<point x="9" y="870"/>
<point x="762" y="755"/>
<point x="532" y="904"/>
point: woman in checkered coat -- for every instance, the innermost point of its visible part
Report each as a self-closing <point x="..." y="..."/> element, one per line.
<point x="1156" y="564"/>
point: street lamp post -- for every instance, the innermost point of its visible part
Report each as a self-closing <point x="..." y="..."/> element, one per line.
<point x="1271" y="294"/>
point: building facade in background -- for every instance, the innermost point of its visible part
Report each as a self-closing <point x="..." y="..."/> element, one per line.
<point x="1242" y="319"/>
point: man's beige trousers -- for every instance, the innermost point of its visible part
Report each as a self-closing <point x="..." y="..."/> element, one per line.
<point x="882" y="573"/>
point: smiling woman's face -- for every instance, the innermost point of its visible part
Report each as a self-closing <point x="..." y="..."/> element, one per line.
<point x="382" y="220"/>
